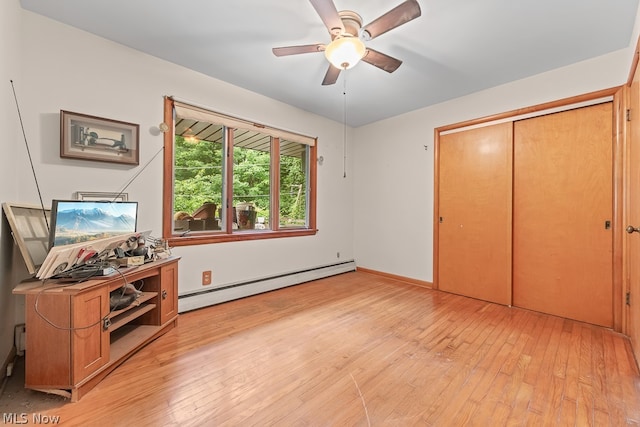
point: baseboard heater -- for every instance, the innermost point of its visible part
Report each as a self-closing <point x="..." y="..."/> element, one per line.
<point x="199" y="299"/>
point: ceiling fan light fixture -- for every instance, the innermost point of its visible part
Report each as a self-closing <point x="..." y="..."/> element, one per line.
<point x="345" y="52"/>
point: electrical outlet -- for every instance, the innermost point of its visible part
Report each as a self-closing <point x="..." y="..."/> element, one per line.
<point x="206" y="278"/>
<point x="338" y="255"/>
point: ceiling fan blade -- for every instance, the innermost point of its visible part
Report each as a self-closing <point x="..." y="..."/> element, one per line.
<point x="295" y="50"/>
<point x="397" y="16"/>
<point x="332" y="75"/>
<point x="329" y="15"/>
<point x="381" y="60"/>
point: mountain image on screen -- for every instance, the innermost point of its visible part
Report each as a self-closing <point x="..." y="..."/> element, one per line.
<point x="79" y="225"/>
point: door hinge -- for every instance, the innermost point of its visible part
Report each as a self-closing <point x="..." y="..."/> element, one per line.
<point x="627" y="298"/>
<point x="628" y="114"/>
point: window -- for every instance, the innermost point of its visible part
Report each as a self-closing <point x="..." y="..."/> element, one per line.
<point x="293" y="184"/>
<point x="228" y="179"/>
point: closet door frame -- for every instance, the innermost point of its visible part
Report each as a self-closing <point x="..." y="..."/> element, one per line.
<point x="614" y="95"/>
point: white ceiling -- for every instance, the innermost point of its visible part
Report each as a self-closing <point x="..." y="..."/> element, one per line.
<point x="455" y="48"/>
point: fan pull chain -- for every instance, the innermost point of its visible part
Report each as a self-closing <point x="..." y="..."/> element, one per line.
<point x="344" y="136"/>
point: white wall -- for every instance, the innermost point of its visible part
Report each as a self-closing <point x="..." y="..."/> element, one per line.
<point x="65" y="68"/>
<point x="11" y="147"/>
<point x="394" y="173"/>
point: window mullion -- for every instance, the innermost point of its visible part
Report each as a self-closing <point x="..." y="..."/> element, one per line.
<point x="275" y="184"/>
<point x="229" y="180"/>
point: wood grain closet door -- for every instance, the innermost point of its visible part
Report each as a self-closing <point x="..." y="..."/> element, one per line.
<point x="562" y="253"/>
<point x="632" y="217"/>
<point x="474" y="230"/>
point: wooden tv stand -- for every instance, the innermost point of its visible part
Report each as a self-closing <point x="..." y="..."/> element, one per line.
<point x="88" y="340"/>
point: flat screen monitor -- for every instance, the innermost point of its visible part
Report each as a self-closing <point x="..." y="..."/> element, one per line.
<point x="75" y="221"/>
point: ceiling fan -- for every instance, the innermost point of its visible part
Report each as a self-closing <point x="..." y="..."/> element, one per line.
<point x="346" y="47"/>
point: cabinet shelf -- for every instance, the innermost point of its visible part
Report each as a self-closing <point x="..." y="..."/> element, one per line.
<point x="132" y="311"/>
<point x="128" y="316"/>
<point x="130" y="336"/>
<point x="144" y="297"/>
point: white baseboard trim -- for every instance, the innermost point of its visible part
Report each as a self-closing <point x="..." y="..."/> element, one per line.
<point x="200" y="299"/>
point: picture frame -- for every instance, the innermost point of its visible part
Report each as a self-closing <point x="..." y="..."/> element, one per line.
<point x="94" y="138"/>
<point x="99" y="196"/>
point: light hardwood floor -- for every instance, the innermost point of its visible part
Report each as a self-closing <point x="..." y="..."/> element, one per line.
<point x="358" y="349"/>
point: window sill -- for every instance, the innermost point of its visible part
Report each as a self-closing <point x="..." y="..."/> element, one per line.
<point x="237" y="236"/>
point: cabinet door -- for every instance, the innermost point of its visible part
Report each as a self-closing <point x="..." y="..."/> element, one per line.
<point x="48" y="354"/>
<point x="169" y="293"/>
<point x="89" y="339"/>
<point x="563" y="208"/>
<point x="474" y="205"/>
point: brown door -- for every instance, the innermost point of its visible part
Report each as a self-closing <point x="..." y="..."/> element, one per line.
<point x="562" y="212"/>
<point x="474" y="230"/>
<point x="632" y="215"/>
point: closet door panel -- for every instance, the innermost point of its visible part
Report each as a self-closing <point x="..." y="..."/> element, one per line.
<point x="562" y="211"/>
<point x="474" y="230"/>
<point x="632" y="214"/>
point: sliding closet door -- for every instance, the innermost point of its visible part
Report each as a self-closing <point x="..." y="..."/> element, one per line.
<point x="474" y="210"/>
<point x="562" y="212"/>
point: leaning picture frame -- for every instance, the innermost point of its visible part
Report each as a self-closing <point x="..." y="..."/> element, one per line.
<point x="94" y="138"/>
<point x="100" y="196"/>
<point x="29" y="226"/>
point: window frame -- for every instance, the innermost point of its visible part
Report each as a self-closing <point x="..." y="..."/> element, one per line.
<point x="228" y="234"/>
